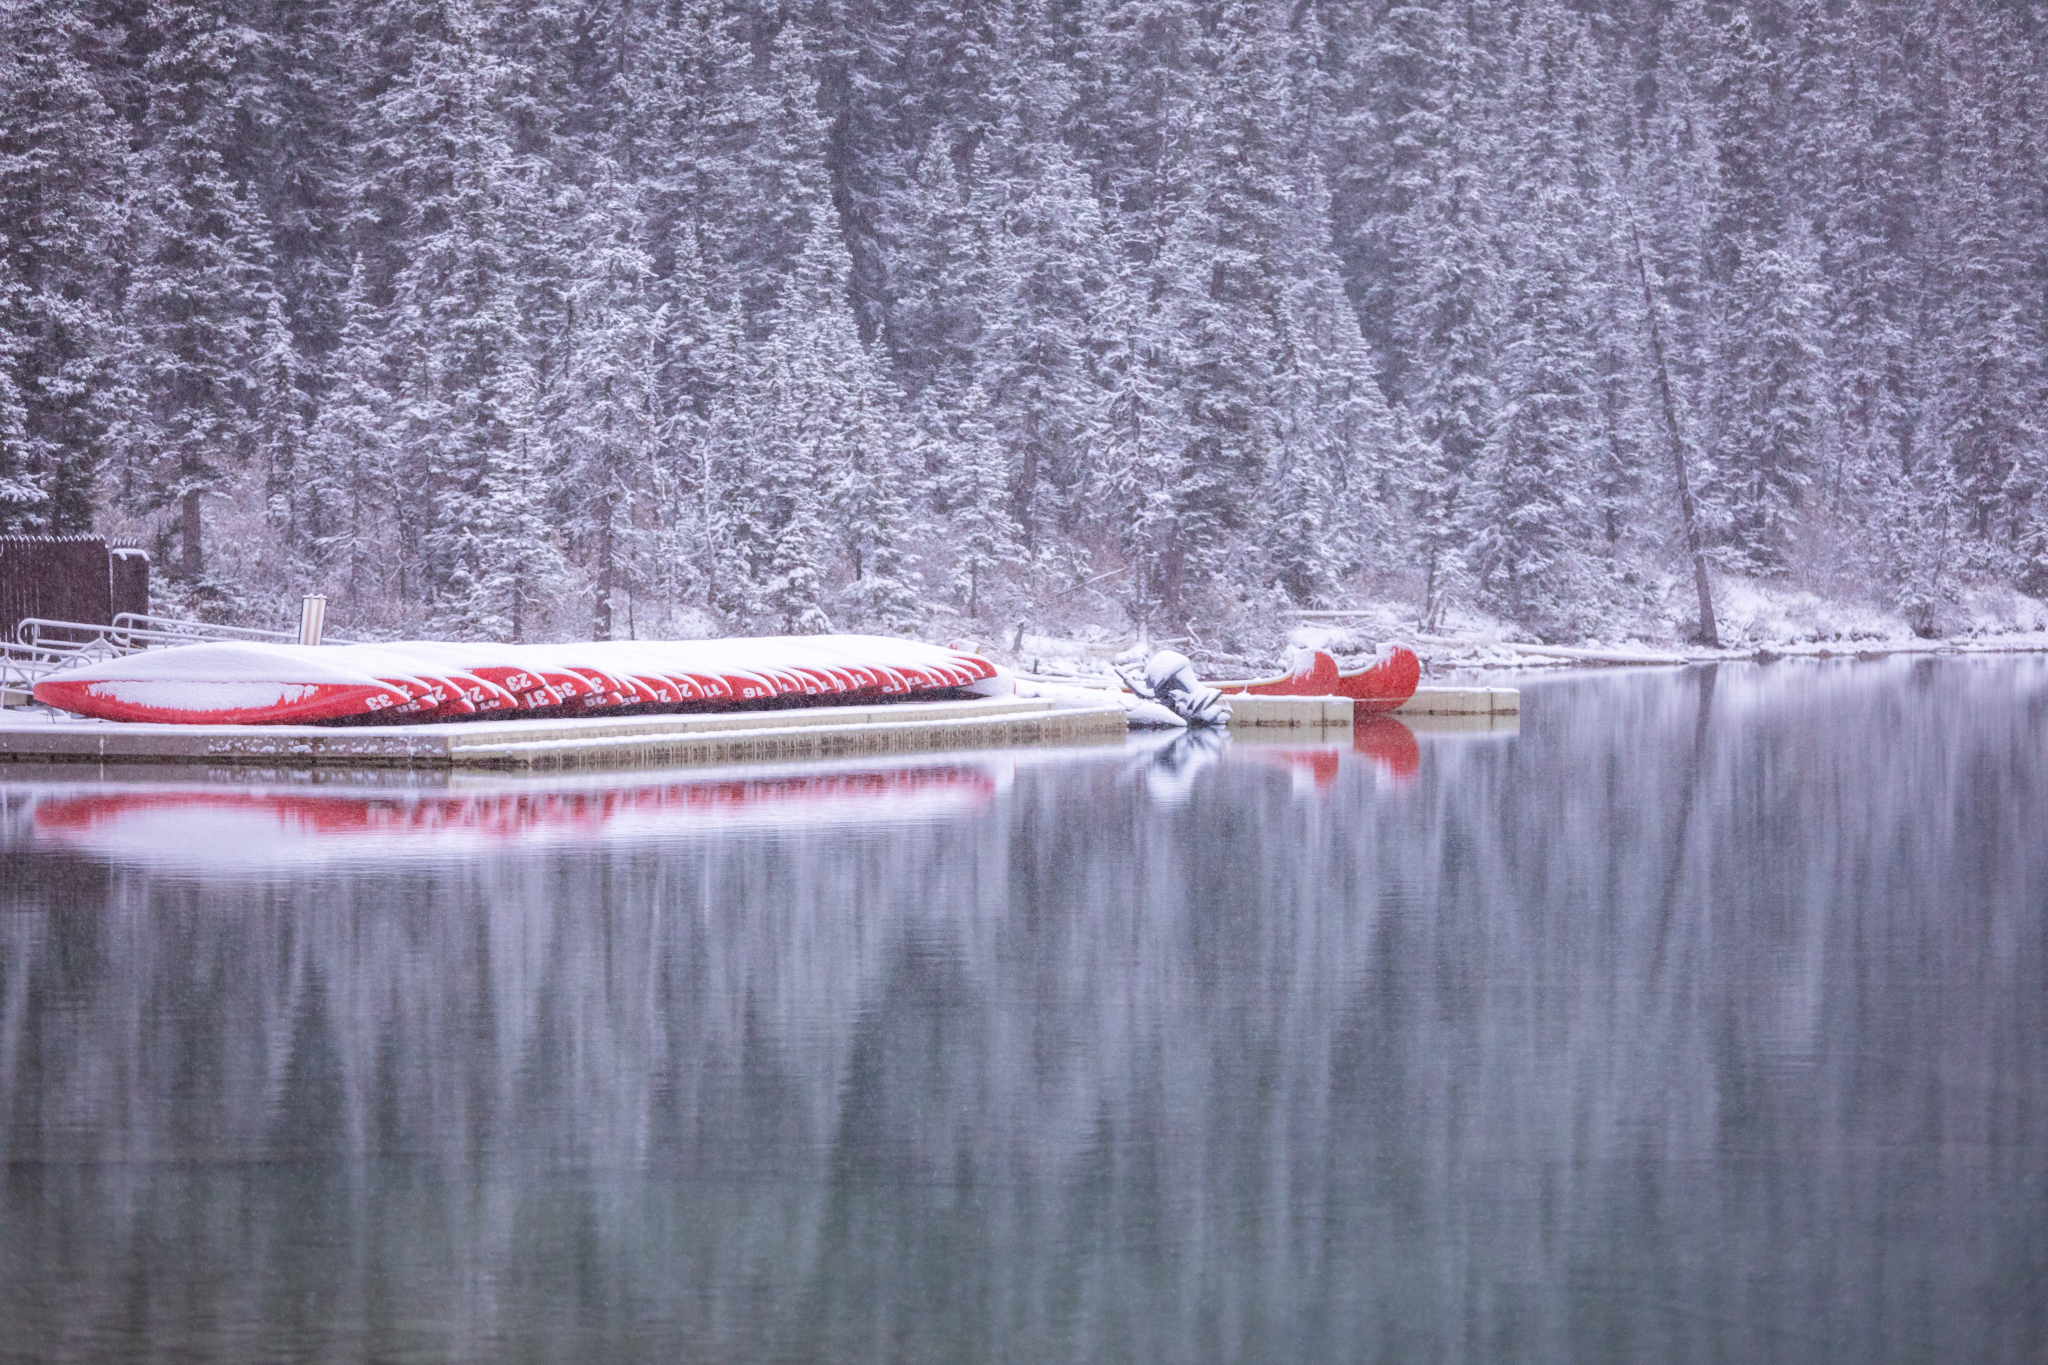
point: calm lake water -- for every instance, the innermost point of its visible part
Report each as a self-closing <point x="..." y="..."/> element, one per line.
<point x="1705" y="1019"/>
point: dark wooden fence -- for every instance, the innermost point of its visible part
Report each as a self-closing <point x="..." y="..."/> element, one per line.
<point x="69" y="578"/>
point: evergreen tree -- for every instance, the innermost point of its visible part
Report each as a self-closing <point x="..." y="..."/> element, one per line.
<point x="469" y="387"/>
<point x="19" y="495"/>
<point x="279" y="430"/>
<point x="1139" y="449"/>
<point x="61" y="176"/>
<point x="194" y="290"/>
<point x="1771" y="405"/>
<point x="983" y="538"/>
<point x="613" y="423"/>
<point x="1533" y="495"/>
<point x="817" y="378"/>
<point x="872" y="509"/>
<point x="780" y="193"/>
<point x="1048" y="272"/>
<point x="347" y="499"/>
<point x="505" y="562"/>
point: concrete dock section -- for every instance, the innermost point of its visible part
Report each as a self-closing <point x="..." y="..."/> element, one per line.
<point x="1462" y="701"/>
<point x="1254" y="712"/>
<point x="578" y="743"/>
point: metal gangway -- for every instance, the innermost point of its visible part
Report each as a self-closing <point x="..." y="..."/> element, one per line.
<point x="42" y="646"/>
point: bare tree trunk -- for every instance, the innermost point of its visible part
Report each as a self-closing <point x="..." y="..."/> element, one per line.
<point x="519" y="602"/>
<point x="1710" y="634"/>
<point x="710" y="538"/>
<point x="601" y="626"/>
<point x="191" y="555"/>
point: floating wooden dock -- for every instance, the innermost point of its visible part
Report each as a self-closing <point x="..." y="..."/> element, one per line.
<point x="693" y="740"/>
<point x="581" y="743"/>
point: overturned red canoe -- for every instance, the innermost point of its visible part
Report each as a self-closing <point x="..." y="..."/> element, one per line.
<point x="1381" y="686"/>
<point x="259" y="684"/>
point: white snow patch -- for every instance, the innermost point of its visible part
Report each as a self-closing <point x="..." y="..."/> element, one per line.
<point x="1329" y="639"/>
<point x="1149" y="715"/>
<point x="188" y="694"/>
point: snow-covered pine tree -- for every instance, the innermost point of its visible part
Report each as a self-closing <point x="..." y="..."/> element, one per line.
<point x="1532" y="494"/>
<point x="1772" y="406"/>
<point x="1216" y="280"/>
<point x="61" y="171"/>
<point x="1138" y="450"/>
<point x="726" y="471"/>
<point x="194" y="282"/>
<point x="686" y="384"/>
<point x="1445" y="324"/>
<point x="468" y="381"/>
<point x="1986" y="243"/>
<point x="1300" y="502"/>
<point x="777" y="191"/>
<point x="1871" y="217"/>
<point x="935" y="319"/>
<point x="685" y="124"/>
<point x="295" y="153"/>
<point x="792" y="584"/>
<point x="1398" y="118"/>
<point x="1922" y="518"/>
<point x="513" y="563"/>
<point x="612" y="424"/>
<point x="347" y="500"/>
<point x="1050" y="262"/>
<point x="980" y="536"/>
<point x="279" y="428"/>
<point x="873" y="493"/>
<point x="868" y="127"/>
<point x="817" y="376"/>
<point x="1335" y="470"/>
<point x="20" y="497"/>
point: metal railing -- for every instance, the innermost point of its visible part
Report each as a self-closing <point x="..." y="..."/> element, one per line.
<point x="21" y="666"/>
<point x="43" y="646"/>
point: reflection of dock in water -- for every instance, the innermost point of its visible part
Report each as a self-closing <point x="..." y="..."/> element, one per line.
<point x="1389" y="743"/>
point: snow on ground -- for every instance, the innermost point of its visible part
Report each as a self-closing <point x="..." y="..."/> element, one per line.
<point x="1754" y="618"/>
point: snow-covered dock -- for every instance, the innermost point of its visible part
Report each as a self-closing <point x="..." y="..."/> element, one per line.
<point x="578" y="743"/>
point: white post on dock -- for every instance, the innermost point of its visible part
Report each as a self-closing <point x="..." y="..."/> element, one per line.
<point x="312" y="618"/>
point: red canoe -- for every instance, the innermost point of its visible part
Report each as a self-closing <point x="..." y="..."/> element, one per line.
<point x="1381" y="686"/>
<point x="407" y="682"/>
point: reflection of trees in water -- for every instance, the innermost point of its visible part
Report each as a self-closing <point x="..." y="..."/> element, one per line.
<point x="1690" y="1025"/>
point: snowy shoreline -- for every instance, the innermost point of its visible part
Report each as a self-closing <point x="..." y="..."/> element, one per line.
<point x="1760" y="623"/>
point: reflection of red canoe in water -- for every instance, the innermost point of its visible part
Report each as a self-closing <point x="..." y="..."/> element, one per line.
<point x="1387" y="743"/>
<point x="1382" y="686"/>
<point x="260" y="684"/>
<point x="223" y="825"/>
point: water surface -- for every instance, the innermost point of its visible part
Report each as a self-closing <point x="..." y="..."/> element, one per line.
<point x="1704" y="1019"/>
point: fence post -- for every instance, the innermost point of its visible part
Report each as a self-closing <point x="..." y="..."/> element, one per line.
<point x="312" y="618"/>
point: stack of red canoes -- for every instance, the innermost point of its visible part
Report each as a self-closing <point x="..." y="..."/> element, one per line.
<point x="1383" y="685"/>
<point x="245" y="684"/>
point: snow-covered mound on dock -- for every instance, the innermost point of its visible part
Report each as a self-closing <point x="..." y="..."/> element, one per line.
<point x="256" y="684"/>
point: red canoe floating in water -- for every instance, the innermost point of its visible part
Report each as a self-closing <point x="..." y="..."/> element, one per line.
<point x="406" y="682"/>
<point x="1383" y="685"/>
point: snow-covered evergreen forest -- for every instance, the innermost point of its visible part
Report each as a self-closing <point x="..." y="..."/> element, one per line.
<point x="575" y="316"/>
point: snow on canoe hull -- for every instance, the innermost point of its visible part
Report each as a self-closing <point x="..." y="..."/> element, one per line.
<point x="408" y="682"/>
<point x="1382" y="686"/>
